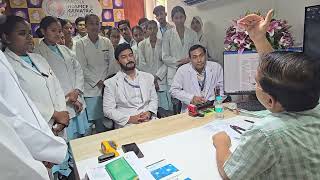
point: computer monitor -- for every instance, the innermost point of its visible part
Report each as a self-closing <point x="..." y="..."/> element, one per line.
<point x="311" y="42"/>
<point x="239" y="72"/>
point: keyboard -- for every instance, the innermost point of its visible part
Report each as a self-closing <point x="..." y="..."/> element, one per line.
<point x="252" y="105"/>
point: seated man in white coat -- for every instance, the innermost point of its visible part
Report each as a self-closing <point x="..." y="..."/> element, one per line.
<point x="197" y="81"/>
<point x="130" y="96"/>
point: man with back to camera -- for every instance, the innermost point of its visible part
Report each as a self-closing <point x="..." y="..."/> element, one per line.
<point x="284" y="144"/>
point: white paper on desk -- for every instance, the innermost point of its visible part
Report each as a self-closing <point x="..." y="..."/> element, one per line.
<point x="191" y="152"/>
<point x="216" y="126"/>
<point x="99" y="172"/>
<point x="224" y="125"/>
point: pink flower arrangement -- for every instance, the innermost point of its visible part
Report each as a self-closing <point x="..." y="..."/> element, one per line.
<point x="278" y="35"/>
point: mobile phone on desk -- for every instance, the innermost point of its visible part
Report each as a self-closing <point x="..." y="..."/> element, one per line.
<point x="132" y="147"/>
<point x="105" y="157"/>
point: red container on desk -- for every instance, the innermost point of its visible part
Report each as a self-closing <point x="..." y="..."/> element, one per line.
<point x="192" y="109"/>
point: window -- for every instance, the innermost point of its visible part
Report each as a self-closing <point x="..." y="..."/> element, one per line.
<point x="161" y="2"/>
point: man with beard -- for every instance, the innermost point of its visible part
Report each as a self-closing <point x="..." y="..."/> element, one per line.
<point x="130" y="96"/>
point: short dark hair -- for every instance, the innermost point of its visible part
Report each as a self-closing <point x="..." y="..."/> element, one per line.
<point x="158" y="9"/>
<point x="63" y="22"/>
<point x="86" y="18"/>
<point x="292" y="78"/>
<point x="79" y="19"/>
<point x="46" y="21"/>
<point x="142" y="20"/>
<point x="120" y="48"/>
<point x="105" y="28"/>
<point x="110" y="31"/>
<point x="137" y="28"/>
<point x="177" y="9"/>
<point x="39" y="33"/>
<point x="194" y="47"/>
<point x="124" y="22"/>
<point x="152" y="22"/>
<point x="10" y="24"/>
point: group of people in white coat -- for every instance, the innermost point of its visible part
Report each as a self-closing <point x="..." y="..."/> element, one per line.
<point x="27" y="142"/>
<point x="68" y="87"/>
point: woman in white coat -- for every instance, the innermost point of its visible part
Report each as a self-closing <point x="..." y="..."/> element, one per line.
<point x="68" y="70"/>
<point x="35" y="75"/>
<point x="150" y="61"/>
<point x="176" y="43"/>
<point x="95" y="54"/>
<point x="25" y="117"/>
<point x="67" y="30"/>
<point x="197" y="26"/>
<point x="19" y="111"/>
<point x="15" y="155"/>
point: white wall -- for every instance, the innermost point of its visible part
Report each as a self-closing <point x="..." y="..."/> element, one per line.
<point x="149" y="5"/>
<point x="217" y="16"/>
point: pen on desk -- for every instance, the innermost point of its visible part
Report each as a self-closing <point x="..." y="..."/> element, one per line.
<point x="240" y="128"/>
<point x="154" y="163"/>
<point x="249" y="121"/>
<point x="234" y="128"/>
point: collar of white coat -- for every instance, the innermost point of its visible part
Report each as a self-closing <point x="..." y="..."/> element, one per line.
<point x="124" y="75"/>
<point x="86" y="37"/>
<point x="45" y="50"/>
<point x="143" y="86"/>
<point x="34" y="60"/>
<point x="205" y="69"/>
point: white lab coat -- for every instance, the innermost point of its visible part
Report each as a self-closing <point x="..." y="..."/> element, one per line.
<point x="185" y="84"/>
<point x="95" y="63"/>
<point x="131" y="43"/>
<point x="42" y="86"/>
<point x="67" y="69"/>
<point x="77" y="38"/>
<point x="16" y="161"/>
<point x="26" y="119"/>
<point x="174" y="50"/>
<point x="160" y="34"/>
<point x="118" y="107"/>
<point x="134" y="48"/>
<point x="150" y="61"/>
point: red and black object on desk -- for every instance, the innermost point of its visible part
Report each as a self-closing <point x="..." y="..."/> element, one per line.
<point x="197" y="110"/>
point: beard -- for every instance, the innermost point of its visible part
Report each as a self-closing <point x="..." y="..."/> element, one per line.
<point x="126" y="67"/>
<point x="3" y="18"/>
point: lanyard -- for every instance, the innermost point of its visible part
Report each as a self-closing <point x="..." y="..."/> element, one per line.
<point x="132" y="85"/>
<point x="200" y="38"/>
<point x="202" y="85"/>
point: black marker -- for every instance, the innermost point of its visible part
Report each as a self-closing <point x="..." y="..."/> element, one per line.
<point x="249" y="121"/>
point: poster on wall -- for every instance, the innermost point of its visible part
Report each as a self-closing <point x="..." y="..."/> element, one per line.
<point x="110" y="11"/>
<point x="71" y="9"/>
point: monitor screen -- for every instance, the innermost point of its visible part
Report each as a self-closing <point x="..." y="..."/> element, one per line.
<point x="311" y="42"/>
<point x="239" y="72"/>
